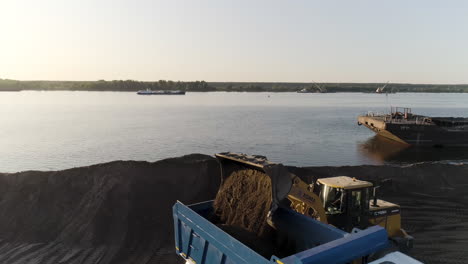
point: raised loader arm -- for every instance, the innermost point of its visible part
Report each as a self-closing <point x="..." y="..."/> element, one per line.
<point x="305" y="201"/>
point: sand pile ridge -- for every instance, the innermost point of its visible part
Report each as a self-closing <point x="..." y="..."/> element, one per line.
<point x="121" y="212"/>
<point x="118" y="212"/>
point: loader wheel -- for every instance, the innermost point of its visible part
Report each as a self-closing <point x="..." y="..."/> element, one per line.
<point x="382" y="253"/>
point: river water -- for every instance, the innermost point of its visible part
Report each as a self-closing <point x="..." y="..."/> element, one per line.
<point x="57" y="130"/>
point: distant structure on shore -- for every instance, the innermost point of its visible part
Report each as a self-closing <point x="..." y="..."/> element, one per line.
<point x="318" y="89"/>
<point x="381" y="88"/>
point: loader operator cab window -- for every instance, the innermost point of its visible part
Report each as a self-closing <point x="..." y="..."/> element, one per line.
<point x="333" y="199"/>
<point x="356" y="200"/>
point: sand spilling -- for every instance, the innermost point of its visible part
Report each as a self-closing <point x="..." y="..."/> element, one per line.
<point x="244" y="200"/>
<point x="242" y="205"/>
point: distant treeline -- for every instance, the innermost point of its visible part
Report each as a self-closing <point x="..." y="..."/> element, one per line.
<point x="101" y="85"/>
<point x="202" y="86"/>
<point x="338" y="87"/>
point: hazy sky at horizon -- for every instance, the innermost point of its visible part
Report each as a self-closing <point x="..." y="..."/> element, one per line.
<point x="292" y="41"/>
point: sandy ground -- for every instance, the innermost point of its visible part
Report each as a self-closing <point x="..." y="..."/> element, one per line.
<point x="120" y="212"/>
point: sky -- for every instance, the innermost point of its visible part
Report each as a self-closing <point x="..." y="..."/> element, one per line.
<point x="401" y="41"/>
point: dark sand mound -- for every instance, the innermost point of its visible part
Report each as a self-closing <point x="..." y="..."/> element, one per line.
<point x="118" y="212"/>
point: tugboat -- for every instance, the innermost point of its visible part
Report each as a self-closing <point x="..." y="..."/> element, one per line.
<point x="405" y="127"/>
<point x="160" y="92"/>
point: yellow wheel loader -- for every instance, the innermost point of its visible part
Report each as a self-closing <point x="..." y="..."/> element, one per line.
<point x="340" y="201"/>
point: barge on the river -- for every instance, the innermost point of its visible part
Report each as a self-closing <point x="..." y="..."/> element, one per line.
<point x="160" y="92"/>
<point x="403" y="126"/>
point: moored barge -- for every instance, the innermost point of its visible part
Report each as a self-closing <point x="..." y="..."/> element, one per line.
<point x="403" y="126"/>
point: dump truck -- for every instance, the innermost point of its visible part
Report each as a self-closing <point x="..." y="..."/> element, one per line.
<point x="297" y="214"/>
<point x="200" y="241"/>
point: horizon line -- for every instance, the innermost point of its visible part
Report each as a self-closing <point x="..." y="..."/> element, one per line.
<point x="298" y="82"/>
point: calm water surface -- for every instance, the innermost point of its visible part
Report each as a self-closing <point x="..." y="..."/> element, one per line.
<point x="57" y="130"/>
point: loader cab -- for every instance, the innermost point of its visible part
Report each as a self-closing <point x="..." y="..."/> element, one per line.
<point x="346" y="201"/>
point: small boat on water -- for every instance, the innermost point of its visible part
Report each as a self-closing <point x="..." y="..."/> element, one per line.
<point x="305" y="90"/>
<point x="160" y="92"/>
<point x="403" y="126"/>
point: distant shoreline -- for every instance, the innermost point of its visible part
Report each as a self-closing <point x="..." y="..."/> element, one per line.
<point x="202" y="86"/>
<point x="222" y="91"/>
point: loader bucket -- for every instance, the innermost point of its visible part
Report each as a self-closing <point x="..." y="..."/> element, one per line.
<point x="281" y="178"/>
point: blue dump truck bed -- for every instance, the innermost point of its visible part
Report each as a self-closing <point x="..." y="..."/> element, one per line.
<point x="199" y="240"/>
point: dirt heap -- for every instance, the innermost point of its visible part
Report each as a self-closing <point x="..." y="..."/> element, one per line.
<point x="118" y="212"/>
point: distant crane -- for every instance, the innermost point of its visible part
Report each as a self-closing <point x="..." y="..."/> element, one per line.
<point x="381" y="89"/>
<point x="320" y="89"/>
